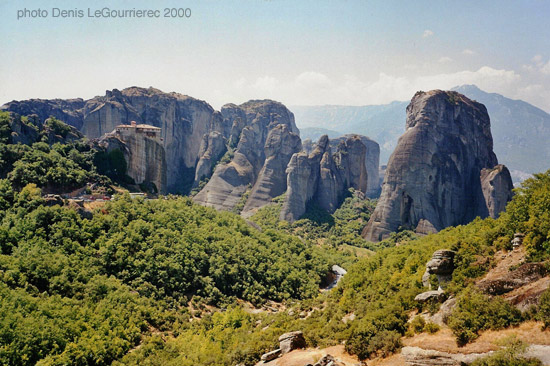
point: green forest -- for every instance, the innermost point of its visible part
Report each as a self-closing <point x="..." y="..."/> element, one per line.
<point x="168" y="282"/>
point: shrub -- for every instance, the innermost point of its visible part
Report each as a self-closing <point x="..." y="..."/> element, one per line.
<point x="475" y="312"/>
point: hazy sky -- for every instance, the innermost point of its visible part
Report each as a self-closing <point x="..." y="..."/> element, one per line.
<point x="298" y="52"/>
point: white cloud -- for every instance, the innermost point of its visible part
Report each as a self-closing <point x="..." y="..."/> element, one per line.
<point x="537" y="59"/>
<point x="445" y="59"/>
<point x="427" y="33"/>
<point x="316" y="88"/>
<point x="468" y="51"/>
<point x="545" y="69"/>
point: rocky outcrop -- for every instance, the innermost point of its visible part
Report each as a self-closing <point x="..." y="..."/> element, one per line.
<point x="372" y="161"/>
<point x="324" y="177"/>
<point x="145" y="158"/>
<point x="66" y="110"/>
<point x="291" y="341"/>
<point x="496" y="185"/>
<point x="442" y="265"/>
<point x="416" y="356"/>
<point x="523" y="275"/>
<point x="267" y="139"/>
<point x="434" y="177"/>
<point x="183" y="120"/>
<point x="280" y="145"/>
<point x="213" y="146"/>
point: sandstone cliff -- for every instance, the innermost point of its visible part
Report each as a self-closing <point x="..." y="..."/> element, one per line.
<point x="324" y="177"/>
<point x="372" y="162"/>
<point x="435" y="177"/>
<point x="145" y="158"/>
<point x="267" y="136"/>
<point x="184" y="122"/>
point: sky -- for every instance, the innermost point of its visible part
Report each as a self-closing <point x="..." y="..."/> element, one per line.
<point x="340" y="52"/>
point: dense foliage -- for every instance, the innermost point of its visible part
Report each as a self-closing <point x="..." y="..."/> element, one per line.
<point x="167" y="282"/>
<point x="88" y="288"/>
<point x="57" y="167"/>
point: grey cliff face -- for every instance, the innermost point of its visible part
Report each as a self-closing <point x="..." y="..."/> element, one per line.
<point x="267" y="137"/>
<point x="213" y="146"/>
<point x="145" y="158"/>
<point x="280" y="145"/>
<point x="497" y="186"/>
<point x="434" y="177"/>
<point x="372" y="162"/>
<point x="303" y="173"/>
<point x="183" y="120"/>
<point x="324" y="177"/>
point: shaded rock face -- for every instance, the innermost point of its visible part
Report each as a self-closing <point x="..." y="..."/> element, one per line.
<point x="372" y="162"/>
<point x="496" y="184"/>
<point x="434" y="177"/>
<point x="280" y="145"/>
<point x="213" y="146"/>
<point x="145" y="158"/>
<point x="183" y="120"/>
<point x="267" y="137"/>
<point x="291" y="341"/>
<point x="324" y="177"/>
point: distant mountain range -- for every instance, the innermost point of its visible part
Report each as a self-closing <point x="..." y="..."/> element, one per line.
<point x="521" y="131"/>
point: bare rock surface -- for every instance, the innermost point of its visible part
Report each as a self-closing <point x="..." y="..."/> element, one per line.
<point x="434" y="176"/>
<point x="372" y="161"/>
<point x="261" y="140"/>
<point x="291" y="341"/>
<point x="184" y="121"/>
<point x="145" y="158"/>
<point x="324" y="177"/>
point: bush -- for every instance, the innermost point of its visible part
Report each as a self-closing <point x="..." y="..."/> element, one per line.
<point x="509" y="356"/>
<point x="543" y="313"/>
<point x="475" y="312"/>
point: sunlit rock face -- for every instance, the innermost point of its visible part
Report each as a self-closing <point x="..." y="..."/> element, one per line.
<point x="443" y="171"/>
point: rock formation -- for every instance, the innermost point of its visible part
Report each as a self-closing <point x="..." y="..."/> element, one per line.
<point x="324" y="177"/>
<point x="372" y="162"/>
<point x="291" y="341"/>
<point x="213" y="146"/>
<point x="184" y="122"/>
<point x="267" y="137"/>
<point x="496" y="184"/>
<point x="435" y="177"/>
<point x="442" y="265"/>
<point x="145" y="157"/>
<point x="280" y="145"/>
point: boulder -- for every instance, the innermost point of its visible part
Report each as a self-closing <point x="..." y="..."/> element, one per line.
<point x="291" y="341"/>
<point x="435" y="178"/>
<point x="326" y="360"/>
<point x="270" y="356"/>
<point x="442" y="265"/>
<point x="429" y="296"/>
